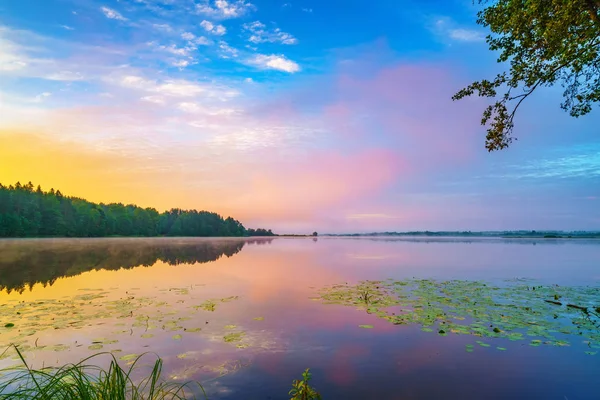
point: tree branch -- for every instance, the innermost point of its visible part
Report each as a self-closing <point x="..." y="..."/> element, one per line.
<point x="592" y="6"/>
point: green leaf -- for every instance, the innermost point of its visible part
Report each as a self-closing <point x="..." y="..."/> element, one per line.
<point x="366" y="326"/>
<point x="128" y="357"/>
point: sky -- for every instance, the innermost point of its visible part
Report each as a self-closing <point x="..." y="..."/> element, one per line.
<point x="297" y="115"/>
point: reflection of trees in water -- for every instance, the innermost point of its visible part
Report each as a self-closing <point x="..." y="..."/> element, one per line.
<point x="24" y="263"/>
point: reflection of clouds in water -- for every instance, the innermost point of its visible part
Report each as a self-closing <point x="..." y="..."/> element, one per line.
<point x="221" y="359"/>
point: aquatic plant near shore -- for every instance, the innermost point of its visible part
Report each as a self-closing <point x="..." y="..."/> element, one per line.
<point x="301" y="390"/>
<point x="88" y="382"/>
<point x="83" y="381"/>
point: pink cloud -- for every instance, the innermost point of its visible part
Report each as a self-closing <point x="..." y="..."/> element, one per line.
<point x="325" y="180"/>
<point x="411" y="107"/>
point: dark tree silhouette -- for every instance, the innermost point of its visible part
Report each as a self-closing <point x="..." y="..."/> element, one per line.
<point x="25" y="212"/>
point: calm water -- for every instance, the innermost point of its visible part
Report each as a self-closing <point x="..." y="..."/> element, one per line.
<point x="241" y="315"/>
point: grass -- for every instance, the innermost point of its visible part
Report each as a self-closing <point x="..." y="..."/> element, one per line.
<point x="83" y="381"/>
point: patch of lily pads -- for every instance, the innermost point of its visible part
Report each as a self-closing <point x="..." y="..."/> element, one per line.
<point x="27" y="324"/>
<point x="516" y="310"/>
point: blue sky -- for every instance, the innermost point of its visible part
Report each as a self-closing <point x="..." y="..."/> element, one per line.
<point x="296" y="115"/>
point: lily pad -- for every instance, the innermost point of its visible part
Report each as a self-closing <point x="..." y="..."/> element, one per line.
<point x="234" y="337"/>
<point x="366" y="326"/>
<point x="128" y="357"/>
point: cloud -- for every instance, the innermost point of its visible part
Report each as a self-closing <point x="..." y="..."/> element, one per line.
<point x="188" y="36"/>
<point x="163" y="27"/>
<point x="181" y="63"/>
<point x="446" y="29"/>
<point x="466" y="35"/>
<point x="227" y="51"/>
<point x="154" y="99"/>
<point x="67" y="27"/>
<point x="223" y="9"/>
<point x="173" y="49"/>
<point x="174" y="87"/>
<point x="40" y="97"/>
<point x="212" y="28"/>
<point x="69" y="76"/>
<point x="259" y="34"/>
<point x="370" y="216"/>
<point x="195" y="108"/>
<point x="11" y="56"/>
<point x="112" y="14"/>
<point x="273" y="61"/>
<point x="25" y="54"/>
<point x="308" y="10"/>
<point x="574" y="162"/>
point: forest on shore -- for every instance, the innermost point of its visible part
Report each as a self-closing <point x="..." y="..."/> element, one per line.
<point x="26" y="211"/>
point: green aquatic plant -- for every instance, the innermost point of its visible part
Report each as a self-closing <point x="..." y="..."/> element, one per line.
<point x="129" y="314"/>
<point x="301" y="389"/>
<point x="83" y="381"/>
<point x="513" y="310"/>
<point x="234" y="337"/>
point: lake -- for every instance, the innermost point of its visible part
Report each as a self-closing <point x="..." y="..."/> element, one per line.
<point x="373" y="318"/>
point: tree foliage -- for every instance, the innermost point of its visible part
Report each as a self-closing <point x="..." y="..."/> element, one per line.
<point x="259" y="232"/>
<point x="29" y="212"/>
<point x="544" y="42"/>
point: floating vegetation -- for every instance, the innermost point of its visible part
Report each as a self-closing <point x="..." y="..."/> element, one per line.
<point x="366" y="326"/>
<point x="542" y="314"/>
<point x="234" y="337"/>
<point x="129" y="357"/>
<point x="129" y="313"/>
<point x="259" y="318"/>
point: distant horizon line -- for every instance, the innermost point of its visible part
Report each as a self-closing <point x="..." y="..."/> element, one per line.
<point x="521" y="232"/>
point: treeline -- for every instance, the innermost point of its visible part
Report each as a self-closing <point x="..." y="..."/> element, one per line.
<point x="260" y="232"/>
<point x="26" y="211"/>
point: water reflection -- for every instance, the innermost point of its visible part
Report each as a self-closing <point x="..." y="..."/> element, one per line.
<point x="23" y="263"/>
<point x="284" y="329"/>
